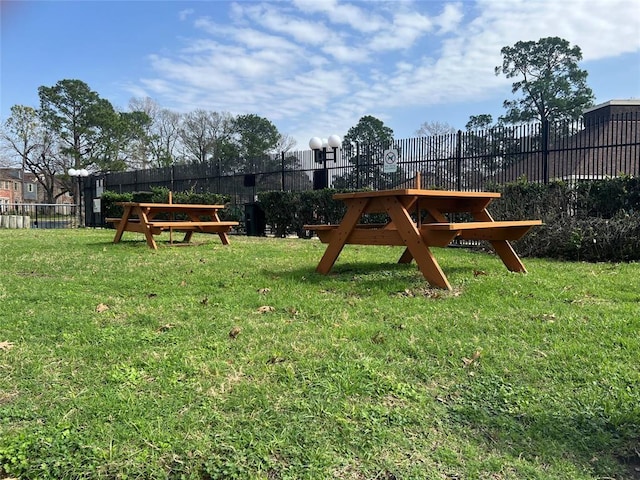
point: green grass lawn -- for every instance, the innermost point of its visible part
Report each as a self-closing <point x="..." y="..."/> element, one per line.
<point x="206" y="362"/>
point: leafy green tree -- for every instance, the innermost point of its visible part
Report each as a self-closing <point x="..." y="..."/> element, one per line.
<point x="371" y="137"/>
<point x="547" y="74"/>
<point x="72" y="109"/>
<point x="252" y="144"/>
<point x="120" y="136"/>
<point x="483" y="121"/>
<point x="91" y="134"/>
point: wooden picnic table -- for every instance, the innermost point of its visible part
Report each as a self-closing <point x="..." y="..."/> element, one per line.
<point x="142" y="218"/>
<point x="429" y="227"/>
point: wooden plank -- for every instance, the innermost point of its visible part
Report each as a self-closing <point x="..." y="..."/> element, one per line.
<point x="416" y="192"/>
<point x="355" y="208"/>
<point x="480" y="225"/>
<point x="120" y="225"/>
<point x="502" y="247"/>
<point x="334" y="226"/>
<point x="177" y="224"/>
<point x="412" y="238"/>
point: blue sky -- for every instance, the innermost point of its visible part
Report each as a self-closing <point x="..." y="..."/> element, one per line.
<point x="312" y="67"/>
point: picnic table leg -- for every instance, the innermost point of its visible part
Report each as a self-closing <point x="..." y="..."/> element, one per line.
<point x="224" y="238"/>
<point x="432" y="216"/>
<point x="502" y="247"/>
<point x="144" y="220"/>
<point x="406" y="257"/>
<point x="416" y="247"/>
<point x="338" y="240"/>
<point x="126" y="214"/>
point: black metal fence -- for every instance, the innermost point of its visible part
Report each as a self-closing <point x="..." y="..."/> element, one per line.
<point x="39" y="215"/>
<point x="473" y="160"/>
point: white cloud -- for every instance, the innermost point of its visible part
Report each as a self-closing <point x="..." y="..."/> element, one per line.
<point x="184" y="14"/>
<point x="450" y="18"/>
<point x="319" y="65"/>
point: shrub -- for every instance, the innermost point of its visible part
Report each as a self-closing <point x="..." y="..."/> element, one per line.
<point x="580" y="223"/>
<point x="281" y="211"/>
<point x="585" y="239"/>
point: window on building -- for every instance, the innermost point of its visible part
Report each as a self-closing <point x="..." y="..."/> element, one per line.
<point x="16" y="186"/>
<point x="31" y="188"/>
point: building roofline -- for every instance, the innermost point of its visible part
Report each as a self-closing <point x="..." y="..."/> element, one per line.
<point x="628" y="102"/>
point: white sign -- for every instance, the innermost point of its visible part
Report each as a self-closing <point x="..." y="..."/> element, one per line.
<point x="390" y="161"/>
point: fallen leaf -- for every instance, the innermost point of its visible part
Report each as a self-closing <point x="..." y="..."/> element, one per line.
<point x="266" y="309"/>
<point x="477" y="273"/>
<point x="234" y="332"/>
<point x="378" y="338"/>
<point x="166" y="327"/>
<point x="264" y="291"/>
<point x="152" y="295"/>
<point x="204" y="301"/>
<point x="275" y="359"/>
<point x="183" y="283"/>
<point x="474" y="358"/>
<point x="6" y="346"/>
<point x="102" y="308"/>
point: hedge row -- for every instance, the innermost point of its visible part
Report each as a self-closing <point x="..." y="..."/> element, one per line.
<point x="590" y="221"/>
<point x="161" y="195"/>
<point x="595" y="221"/>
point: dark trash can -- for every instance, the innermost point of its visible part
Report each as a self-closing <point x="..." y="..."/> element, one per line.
<point x="254" y="220"/>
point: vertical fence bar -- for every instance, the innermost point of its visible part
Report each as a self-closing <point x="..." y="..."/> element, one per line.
<point x="458" y="156"/>
<point x="545" y="151"/>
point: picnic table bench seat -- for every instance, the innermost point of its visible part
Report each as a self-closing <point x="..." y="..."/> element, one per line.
<point x="495" y="230"/>
<point x="436" y="234"/>
<point x="178" y="225"/>
<point x="133" y="225"/>
<point x="191" y="225"/>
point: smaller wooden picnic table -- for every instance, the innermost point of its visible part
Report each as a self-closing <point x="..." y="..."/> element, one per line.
<point x="428" y="227"/>
<point x="142" y="218"/>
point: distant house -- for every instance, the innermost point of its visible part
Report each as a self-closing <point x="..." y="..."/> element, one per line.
<point x="10" y="187"/>
<point x="18" y="188"/>
<point x="607" y="145"/>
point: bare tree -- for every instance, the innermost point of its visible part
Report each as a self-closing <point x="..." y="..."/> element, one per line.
<point x="27" y="137"/>
<point x="202" y="134"/>
<point x="433" y="129"/>
<point x="162" y="136"/>
<point x="285" y="143"/>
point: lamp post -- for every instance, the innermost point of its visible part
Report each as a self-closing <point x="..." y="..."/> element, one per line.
<point x="80" y="173"/>
<point x="320" y="147"/>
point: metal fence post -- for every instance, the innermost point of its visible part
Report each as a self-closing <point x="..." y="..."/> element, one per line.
<point x="282" y="170"/>
<point x="545" y="151"/>
<point x="459" y="160"/>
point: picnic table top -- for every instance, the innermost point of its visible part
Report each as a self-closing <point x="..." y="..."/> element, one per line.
<point x="417" y="192"/>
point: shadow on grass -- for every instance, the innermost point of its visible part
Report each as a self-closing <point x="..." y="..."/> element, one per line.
<point x="371" y="277"/>
<point x="516" y="423"/>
